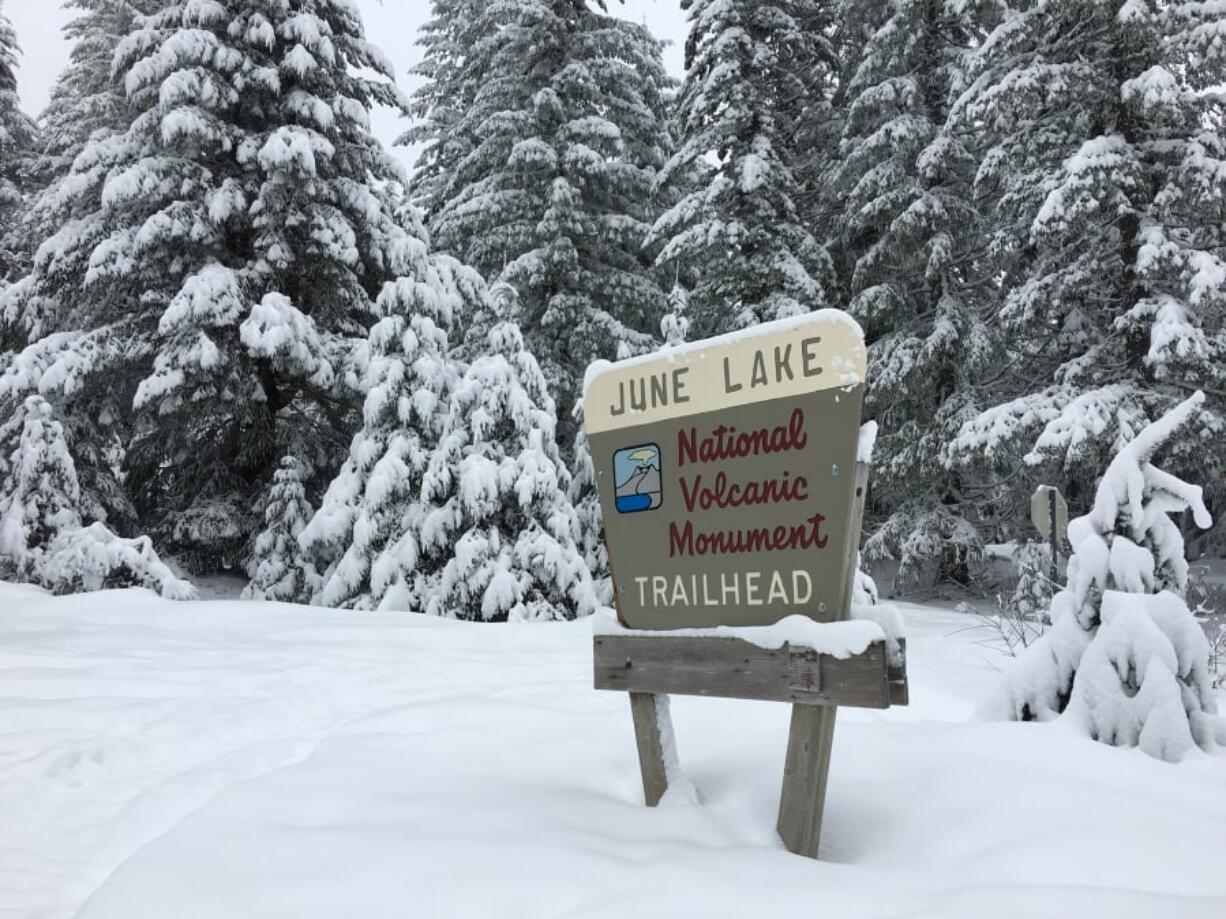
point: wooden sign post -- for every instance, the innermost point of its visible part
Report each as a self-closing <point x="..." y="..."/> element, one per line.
<point x="1049" y="514"/>
<point x="732" y="496"/>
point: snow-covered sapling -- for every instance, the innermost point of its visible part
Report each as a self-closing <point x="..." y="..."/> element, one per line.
<point x="279" y="568"/>
<point x="39" y="492"/>
<point x="1125" y="660"/>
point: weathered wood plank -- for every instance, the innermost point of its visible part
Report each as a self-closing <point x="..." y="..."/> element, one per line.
<point x="646" y="712"/>
<point x="806" y="769"/>
<point x="732" y="668"/>
<point x="689" y="666"/>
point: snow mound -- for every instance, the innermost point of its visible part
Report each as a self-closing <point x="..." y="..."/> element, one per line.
<point x="838" y="639"/>
<point x="268" y="761"/>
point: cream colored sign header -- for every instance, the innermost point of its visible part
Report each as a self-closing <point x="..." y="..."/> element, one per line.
<point x="789" y="357"/>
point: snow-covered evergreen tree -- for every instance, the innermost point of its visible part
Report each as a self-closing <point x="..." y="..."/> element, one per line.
<point x="452" y="75"/>
<point x="42" y="538"/>
<point x="1125" y="660"/>
<point x="589" y="519"/>
<point x="279" y="568"/>
<point x="1101" y="152"/>
<point x="907" y="237"/>
<point x="16" y="136"/>
<point x="738" y="233"/>
<point x="499" y="539"/>
<point x="87" y="102"/>
<point x="86" y="99"/>
<point x="544" y="139"/>
<point x="366" y="535"/>
<point x="215" y="263"/>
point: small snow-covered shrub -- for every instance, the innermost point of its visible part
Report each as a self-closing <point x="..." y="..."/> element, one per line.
<point x="42" y="537"/>
<point x="1125" y="660"/>
<point x="94" y="558"/>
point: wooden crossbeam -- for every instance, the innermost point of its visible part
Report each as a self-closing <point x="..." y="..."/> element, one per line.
<point x="733" y="668"/>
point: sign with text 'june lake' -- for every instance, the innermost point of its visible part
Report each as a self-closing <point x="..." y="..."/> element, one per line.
<point x="726" y="471"/>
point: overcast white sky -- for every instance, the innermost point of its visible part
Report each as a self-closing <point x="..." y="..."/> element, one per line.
<point x="392" y="24"/>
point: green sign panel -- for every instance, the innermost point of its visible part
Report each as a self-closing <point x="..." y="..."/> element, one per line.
<point x="726" y="471"/>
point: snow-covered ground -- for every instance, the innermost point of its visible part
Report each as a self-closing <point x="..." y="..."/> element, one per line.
<point x="225" y="759"/>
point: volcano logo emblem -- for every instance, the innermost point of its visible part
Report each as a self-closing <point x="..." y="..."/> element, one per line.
<point x="636" y="472"/>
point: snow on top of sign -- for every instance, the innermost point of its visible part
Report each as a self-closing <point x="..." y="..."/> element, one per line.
<point x="594" y="369"/>
<point x="847" y="371"/>
<point x="868" y="440"/>
<point x="889" y="619"/>
<point x="838" y="639"/>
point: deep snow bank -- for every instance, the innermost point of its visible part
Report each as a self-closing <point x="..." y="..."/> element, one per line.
<point x="243" y="760"/>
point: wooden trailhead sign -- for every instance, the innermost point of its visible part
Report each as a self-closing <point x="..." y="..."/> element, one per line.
<point x="732" y="494"/>
<point x="726" y="472"/>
